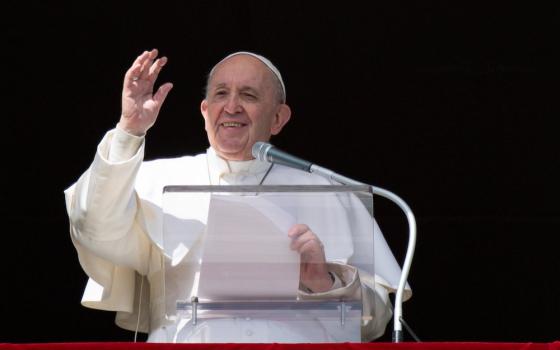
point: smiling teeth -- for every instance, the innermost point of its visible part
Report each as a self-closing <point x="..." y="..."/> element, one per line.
<point x="232" y="124"/>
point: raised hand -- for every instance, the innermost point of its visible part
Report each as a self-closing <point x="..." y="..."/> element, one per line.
<point x="313" y="267"/>
<point x="140" y="106"/>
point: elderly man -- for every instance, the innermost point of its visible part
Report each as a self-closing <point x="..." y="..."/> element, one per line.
<point x="115" y="208"/>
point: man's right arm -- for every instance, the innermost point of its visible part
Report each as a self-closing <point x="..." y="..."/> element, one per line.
<point x="102" y="204"/>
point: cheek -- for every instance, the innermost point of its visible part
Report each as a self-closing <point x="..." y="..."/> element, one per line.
<point x="206" y="123"/>
<point x="262" y="120"/>
<point x="263" y="130"/>
<point x="211" y="116"/>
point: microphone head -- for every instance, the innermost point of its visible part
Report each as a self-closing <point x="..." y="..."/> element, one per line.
<point x="260" y="149"/>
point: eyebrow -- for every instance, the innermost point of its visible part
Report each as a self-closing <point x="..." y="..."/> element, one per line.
<point x="249" y="89"/>
<point x="243" y="88"/>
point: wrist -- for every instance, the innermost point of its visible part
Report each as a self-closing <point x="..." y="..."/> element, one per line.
<point x="322" y="285"/>
<point x="129" y="130"/>
<point x="123" y="145"/>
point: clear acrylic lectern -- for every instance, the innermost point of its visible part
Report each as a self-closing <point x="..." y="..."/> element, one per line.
<point x="227" y="256"/>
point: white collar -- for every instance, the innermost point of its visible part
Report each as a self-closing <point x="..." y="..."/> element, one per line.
<point x="222" y="171"/>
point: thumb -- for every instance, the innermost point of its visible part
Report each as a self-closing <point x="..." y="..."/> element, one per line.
<point x="161" y="93"/>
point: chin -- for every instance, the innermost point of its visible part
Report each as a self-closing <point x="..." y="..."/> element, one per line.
<point x="234" y="154"/>
<point x="234" y="151"/>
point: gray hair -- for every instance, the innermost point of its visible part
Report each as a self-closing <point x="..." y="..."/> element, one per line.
<point x="280" y="87"/>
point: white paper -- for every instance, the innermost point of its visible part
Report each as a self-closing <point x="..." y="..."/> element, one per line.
<point x="246" y="254"/>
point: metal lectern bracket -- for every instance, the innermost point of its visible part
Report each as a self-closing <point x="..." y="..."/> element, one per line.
<point x="194" y="302"/>
<point x="343" y="308"/>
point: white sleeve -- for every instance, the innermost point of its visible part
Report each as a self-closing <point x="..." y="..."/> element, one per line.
<point x="104" y="211"/>
<point x="358" y="284"/>
<point x="124" y="146"/>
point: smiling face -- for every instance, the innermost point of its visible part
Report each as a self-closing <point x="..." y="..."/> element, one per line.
<point x="242" y="107"/>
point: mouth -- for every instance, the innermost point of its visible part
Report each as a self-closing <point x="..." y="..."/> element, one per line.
<point x="232" y="125"/>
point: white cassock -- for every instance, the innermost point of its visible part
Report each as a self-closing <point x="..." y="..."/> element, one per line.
<point x="116" y="217"/>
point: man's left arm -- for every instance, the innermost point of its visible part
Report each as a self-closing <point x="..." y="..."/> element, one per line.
<point x="321" y="280"/>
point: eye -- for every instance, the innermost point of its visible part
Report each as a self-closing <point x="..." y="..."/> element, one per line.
<point x="220" y="93"/>
<point x="250" y="96"/>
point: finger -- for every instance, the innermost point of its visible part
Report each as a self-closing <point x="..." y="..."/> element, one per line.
<point x="312" y="252"/>
<point x="147" y="63"/>
<point x="156" y="68"/>
<point x="141" y="67"/>
<point x="297" y="230"/>
<point x="298" y="243"/>
<point x="133" y="74"/>
<point x="140" y="59"/>
<point x="161" y="93"/>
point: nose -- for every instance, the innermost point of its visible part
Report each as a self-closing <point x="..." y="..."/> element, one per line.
<point x="232" y="104"/>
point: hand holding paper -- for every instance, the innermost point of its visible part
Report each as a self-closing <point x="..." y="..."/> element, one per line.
<point x="313" y="268"/>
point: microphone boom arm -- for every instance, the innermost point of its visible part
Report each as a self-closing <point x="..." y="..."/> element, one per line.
<point x="266" y="152"/>
<point x="397" y="317"/>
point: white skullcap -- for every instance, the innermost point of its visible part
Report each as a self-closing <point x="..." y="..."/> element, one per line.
<point x="264" y="60"/>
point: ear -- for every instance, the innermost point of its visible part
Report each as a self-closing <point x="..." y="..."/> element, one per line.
<point x="204" y="108"/>
<point x="282" y="117"/>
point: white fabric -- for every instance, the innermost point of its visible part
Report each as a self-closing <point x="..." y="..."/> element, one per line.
<point x="116" y="226"/>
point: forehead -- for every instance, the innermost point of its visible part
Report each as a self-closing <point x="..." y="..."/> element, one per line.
<point x="241" y="70"/>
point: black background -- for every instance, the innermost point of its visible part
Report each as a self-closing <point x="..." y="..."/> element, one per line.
<point x="452" y="105"/>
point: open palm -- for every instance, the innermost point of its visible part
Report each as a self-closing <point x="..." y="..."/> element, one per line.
<point x="140" y="106"/>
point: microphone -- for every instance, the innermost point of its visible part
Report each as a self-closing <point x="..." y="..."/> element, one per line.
<point x="266" y="152"/>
